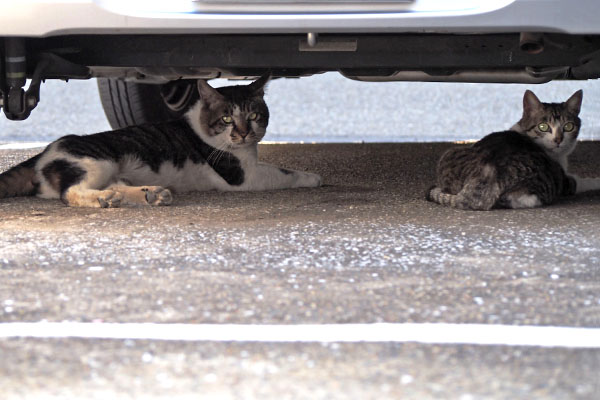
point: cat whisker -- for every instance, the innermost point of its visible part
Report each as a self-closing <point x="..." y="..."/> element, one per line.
<point x="220" y="152"/>
<point x="216" y="153"/>
<point x="219" y="156"/>
<point x="210" y="156"/>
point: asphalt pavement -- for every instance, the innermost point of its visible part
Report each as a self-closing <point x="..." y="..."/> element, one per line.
<point x="365" y="251"/>
<point x="365" y="248"/>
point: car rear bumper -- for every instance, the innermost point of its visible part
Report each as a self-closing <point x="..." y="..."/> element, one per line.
<point x="39" y="18"/>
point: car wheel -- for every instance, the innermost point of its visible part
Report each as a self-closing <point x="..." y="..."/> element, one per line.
<point x="131" y="103"/>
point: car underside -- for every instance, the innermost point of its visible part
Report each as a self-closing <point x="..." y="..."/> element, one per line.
<point x="528" y="58"/>
<point x="150" y="51"/>
<point x="163" y="59"/>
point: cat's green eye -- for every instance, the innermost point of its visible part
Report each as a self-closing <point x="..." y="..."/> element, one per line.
<point x="544" y="127"/>
<point x="568" y="127"/>
<point x="252" y="116"/>
<point x="227" y="119"/>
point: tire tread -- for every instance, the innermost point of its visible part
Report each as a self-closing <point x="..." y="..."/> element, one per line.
<point x="131" y="103"/>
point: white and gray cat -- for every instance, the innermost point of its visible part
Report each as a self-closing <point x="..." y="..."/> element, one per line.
<point x="520" y="168"/>
<point x="214" y="148"/>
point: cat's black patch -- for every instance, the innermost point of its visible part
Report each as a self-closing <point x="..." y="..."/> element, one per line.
<point x="229" y="168"/>
<point x="62" y="174"/>
<point x="32" y="185"/>
<point x="570" y="186"/>
<point x="154" y="144"/>
<point x="20" y="180"/>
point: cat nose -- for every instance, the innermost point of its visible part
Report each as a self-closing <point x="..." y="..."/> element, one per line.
<point x="558" y="139"/>
<point x="243" y="134"/>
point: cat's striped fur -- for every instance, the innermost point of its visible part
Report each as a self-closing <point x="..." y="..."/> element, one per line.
<point x="521" y="168"/>
<point x="215" y="147"/>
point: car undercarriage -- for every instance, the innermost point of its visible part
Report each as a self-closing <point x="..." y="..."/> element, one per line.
<point x="168" y="62"/>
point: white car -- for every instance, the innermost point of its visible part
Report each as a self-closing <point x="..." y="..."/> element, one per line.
<point x="146" y="53"/>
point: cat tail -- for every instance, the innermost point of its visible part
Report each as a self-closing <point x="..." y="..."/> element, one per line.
<point x="20" y="180"/>
<point x="483" y="201"/>
<point x="436" y="195"/>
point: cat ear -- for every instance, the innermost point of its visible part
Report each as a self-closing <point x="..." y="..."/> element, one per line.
<point x="530" y="102"/>
<point x="208" y="93"/>
<point x="574" y="102"/>
<point x="258" y="86"/>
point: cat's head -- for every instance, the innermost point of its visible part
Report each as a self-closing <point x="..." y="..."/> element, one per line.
<point x="230" y="116"/>
<point x="553" y="126"/>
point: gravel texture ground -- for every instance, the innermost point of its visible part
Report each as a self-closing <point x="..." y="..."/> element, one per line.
<point x="366" y="247"/>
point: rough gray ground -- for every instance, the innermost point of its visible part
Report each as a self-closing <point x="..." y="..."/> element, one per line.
<point x="139" y="370"/>
<point x="364" y="248"/>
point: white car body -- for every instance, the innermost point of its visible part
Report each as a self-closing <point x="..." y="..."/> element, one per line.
<point x="38" y="18"/>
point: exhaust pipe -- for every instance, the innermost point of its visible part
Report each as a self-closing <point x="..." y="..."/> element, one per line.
<point x="532" y="43"/>
<point x="472" y="76"/>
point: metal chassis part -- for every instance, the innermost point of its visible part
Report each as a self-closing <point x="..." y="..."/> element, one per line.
<point x="502" y="57"/>
<point x="16" y="102"/>
<point x="439" y="55"/>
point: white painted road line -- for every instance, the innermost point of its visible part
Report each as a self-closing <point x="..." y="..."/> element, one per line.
<point x="432" y="333"/>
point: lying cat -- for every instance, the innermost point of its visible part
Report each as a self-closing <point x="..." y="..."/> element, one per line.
<point x="521" y="168"/>
<point x="215" y="148"/>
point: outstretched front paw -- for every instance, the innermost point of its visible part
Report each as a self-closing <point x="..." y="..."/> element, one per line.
<point x="158" y="196"/>
<point x="109" y="199"/>
<point x="308" y="179"/>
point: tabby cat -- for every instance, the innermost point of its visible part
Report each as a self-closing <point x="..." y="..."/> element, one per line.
<point x="215" y="147"/>
<point x="520" y="168"/>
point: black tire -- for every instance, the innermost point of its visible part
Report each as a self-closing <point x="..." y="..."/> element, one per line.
<point x="132" y="103"/>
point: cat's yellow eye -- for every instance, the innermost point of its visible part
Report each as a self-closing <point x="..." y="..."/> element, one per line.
<point x="252" y="116"/>
<point x="544" y="127"/>
<point x="227" y="119"/>
<point x="568" y="127"/>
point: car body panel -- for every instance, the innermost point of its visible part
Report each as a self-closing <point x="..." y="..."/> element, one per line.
<point x="39" y="18"/>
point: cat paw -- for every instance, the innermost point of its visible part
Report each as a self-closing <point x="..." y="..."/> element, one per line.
<point x="110" y="199"/>
<point x="308" y="179"/>
<point x="158" y="196"/>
